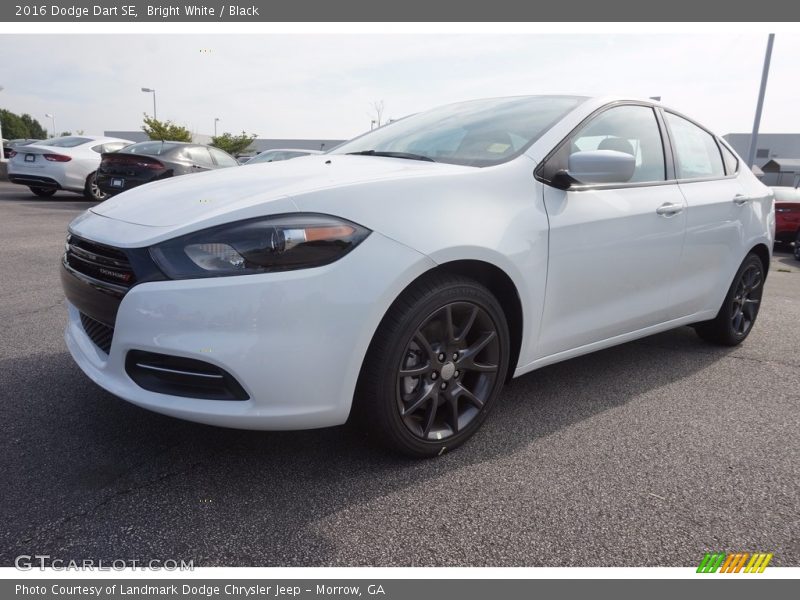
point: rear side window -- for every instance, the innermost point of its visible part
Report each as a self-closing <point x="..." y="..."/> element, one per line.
<point x="200" y="156"/>
<point x="730" y="160"/>
<point x="109" y="147"/>
<point x="223" y="159"/>
<point x="697" y="153"/>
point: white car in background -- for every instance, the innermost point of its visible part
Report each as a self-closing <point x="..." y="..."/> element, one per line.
<point x="408" y="273"/>
<point x="64" y="163"/>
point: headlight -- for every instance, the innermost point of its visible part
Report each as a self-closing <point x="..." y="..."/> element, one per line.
<point x="262" y="245"/>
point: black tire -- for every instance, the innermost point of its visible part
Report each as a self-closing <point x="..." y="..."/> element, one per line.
<point x="43" y="192"/>
<point x="739" y="310"/>
<point x="91" y="191"/>
<point x="797" y="246"/>
<point x="452" y="334"/>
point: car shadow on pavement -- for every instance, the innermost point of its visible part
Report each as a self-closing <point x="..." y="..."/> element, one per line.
<point x="91" y="475"/>
<point x="64" y="202"/>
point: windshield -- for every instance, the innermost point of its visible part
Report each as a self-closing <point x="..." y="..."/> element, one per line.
<point x="477" y="133"/>
<point x="152" y="148"/>
<point x="65" y="142"/>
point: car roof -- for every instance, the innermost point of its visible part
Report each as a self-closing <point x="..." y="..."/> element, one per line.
<point x="306" y="150"/>
<point x="788" y="193"/>
<point x="175" y="142"/>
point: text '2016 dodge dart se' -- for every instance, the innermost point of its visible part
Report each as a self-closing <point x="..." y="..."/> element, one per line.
<point x="406" y="274"/>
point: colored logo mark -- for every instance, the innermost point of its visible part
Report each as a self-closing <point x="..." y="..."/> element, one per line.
<point x="734" y="562"/>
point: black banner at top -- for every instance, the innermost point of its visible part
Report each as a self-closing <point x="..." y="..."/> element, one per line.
<point x="395" y="11"/>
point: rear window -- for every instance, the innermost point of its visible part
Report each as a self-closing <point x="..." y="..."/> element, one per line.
<point x="65" y="142"/>
<point x="151" y="148"/>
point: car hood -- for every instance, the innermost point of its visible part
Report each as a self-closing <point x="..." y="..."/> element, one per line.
<point x="200" y="197"/>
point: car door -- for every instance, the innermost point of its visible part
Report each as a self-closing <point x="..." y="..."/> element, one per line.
<point x="613" y="247"/>
<point x="717" y="211"/>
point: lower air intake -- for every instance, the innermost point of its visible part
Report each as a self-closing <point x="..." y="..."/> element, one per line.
<point x="100" y="333"/>
<point x="178" y="376"/>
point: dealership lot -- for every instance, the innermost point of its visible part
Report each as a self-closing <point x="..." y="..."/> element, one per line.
<point x="651" y="453"/>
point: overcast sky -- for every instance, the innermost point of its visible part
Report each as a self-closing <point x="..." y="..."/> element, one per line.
<point x="322" y="86"/>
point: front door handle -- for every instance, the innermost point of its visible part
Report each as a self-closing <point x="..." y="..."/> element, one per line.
<point x="669" y="209"/>
<point x="741" y="199"/>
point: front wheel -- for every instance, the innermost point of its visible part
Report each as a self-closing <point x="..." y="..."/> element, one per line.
<point x="738" y="313"/>
<point x="435" y="366"/>
<point x="91" y="191"/>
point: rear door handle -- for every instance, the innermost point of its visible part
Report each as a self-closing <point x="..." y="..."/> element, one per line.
<point x="740" y="199"/>
<point x="669" y="209"/>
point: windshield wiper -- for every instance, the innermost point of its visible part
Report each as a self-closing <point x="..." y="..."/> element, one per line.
<point x="407" y="155"/>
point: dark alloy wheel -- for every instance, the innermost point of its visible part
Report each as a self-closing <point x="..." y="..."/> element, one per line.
<point x="738" y="313"/>
<point x="434" y="367"/>
<point x="43" y="192"/>
<point x="91" y="191"/>
<point x="448" y="371"/>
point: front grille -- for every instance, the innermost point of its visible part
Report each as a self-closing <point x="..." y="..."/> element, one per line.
<point x="98" y="332"/>
<point x="100" y="262"/>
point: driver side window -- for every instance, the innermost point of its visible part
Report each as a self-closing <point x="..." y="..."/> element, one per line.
<point x="629" y="129"/>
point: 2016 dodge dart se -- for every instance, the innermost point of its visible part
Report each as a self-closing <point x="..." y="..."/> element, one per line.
<point x="405" y="275"/>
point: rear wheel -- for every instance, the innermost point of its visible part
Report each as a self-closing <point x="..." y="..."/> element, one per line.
<point x="91" y="191"/>
<point x="43" y="192"/>
<point x="797" y="246"/>
<point x="435" y="366"/>
<point x="738" y="313"/>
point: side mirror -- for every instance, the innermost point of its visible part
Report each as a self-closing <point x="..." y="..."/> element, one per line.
<point x="599" y="166"/>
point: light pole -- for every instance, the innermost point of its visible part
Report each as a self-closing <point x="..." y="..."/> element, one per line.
<point x="751" y="155"/>
<point x="152" y="91"/>
<point x="2" y="148"/>
<point x="216" y="120"/>
<point x="53" y="119"/>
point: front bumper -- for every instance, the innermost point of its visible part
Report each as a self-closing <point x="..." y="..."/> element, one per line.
<point x="295" y="341"/>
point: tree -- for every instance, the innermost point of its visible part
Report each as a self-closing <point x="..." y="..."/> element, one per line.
<point x="65" y="133"/>
<point x="35" y="129"/>
<point x="17" y="127"/>
<point x="233" y="144"/>
<point x="13" y="126"/>
<point x="377" y="112"/>
<point x="166" y="131"/>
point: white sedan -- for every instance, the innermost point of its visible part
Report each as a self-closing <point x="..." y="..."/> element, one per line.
<point x="408" y="273"/>
<point x="63" y="163"/>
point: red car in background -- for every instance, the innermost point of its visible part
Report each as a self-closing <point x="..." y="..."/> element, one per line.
<point x="787" y="215"/>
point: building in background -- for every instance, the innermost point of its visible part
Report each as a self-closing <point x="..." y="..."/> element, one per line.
<point x="782" y="171"/>
<point x="777" y="155"/>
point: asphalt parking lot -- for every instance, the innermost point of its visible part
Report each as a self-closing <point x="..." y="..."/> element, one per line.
<point x="648" y="454"/>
